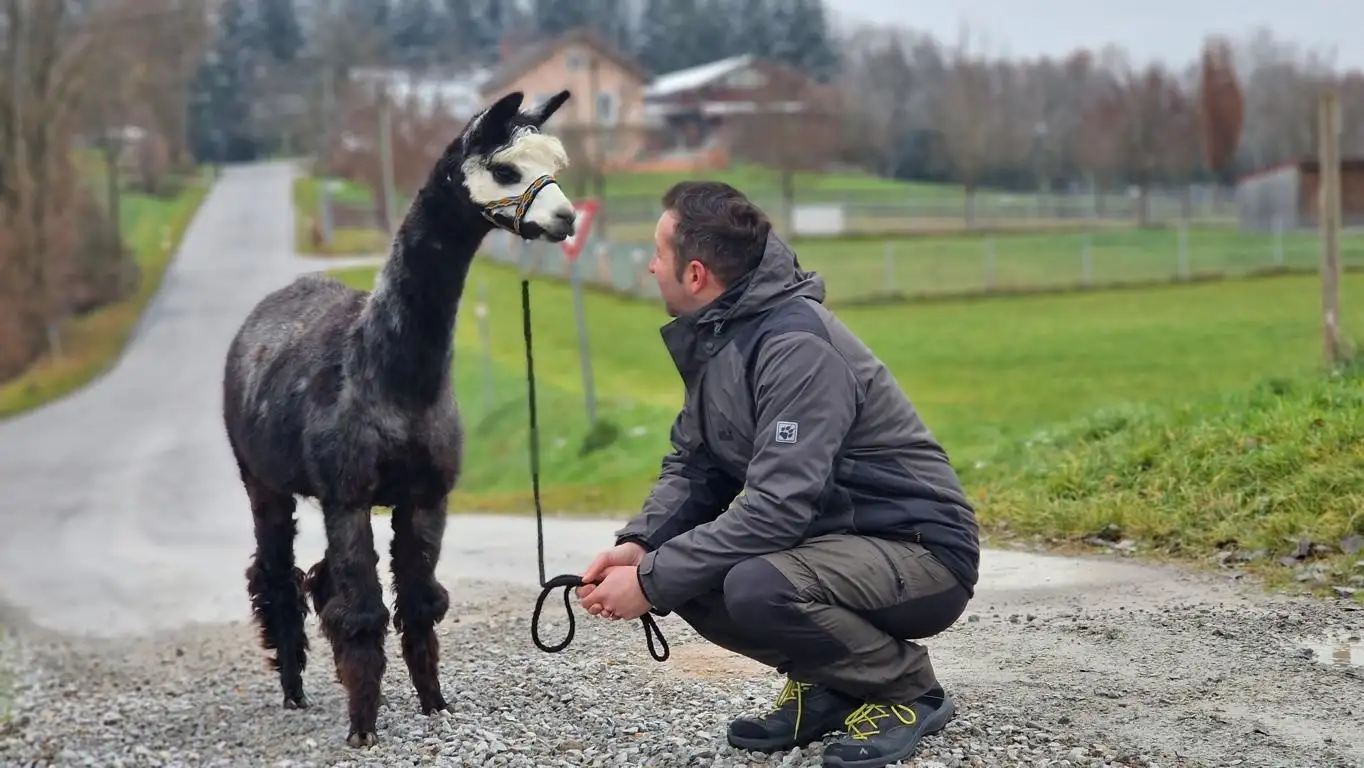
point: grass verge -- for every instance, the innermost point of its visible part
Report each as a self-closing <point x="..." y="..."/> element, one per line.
<point x="1268" y="477"/>
<point x="92" y="343"/>
<point x="346" y="240"/>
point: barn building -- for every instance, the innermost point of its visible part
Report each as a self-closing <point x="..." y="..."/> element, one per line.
<point x="1286" y="196"/>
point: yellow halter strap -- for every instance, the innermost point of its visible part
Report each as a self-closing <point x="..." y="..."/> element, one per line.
<point x="521" y="201"/>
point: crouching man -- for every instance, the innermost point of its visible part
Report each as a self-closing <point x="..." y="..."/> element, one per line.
<point x="806" y="517"/>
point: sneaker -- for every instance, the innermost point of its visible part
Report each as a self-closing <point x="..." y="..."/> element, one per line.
<point x="803" y="713"/>
<point x="884" y="734"/>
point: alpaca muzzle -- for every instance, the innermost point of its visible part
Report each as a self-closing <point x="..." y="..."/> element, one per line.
<point x="520" y="202"/>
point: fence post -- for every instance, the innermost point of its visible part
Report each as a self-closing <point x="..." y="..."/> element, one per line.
<point x="324" y="203"/>
<point x="1087" y="259"/>
<point x="1183" y="251"/>
<point x="486" y="338"/>
<point x="1278" y="241"/>
<point x="889" y="267"/>
<point x="989" y="262"/>
<point x="584" y="353"/>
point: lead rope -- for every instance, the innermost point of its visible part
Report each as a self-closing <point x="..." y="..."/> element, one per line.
<point x="568" y="580"/>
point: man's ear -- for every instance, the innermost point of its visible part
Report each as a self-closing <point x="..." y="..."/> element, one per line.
<point x="695" y="274"/>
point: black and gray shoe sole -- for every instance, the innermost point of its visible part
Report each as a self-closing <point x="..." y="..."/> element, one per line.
<point x="927" y="727"/>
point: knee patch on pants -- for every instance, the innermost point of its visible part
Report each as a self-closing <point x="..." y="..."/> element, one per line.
<point x="766" y="606"/>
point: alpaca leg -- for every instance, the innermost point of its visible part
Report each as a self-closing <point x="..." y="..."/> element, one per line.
<point x="276" y="588"/>
<point x="421" y="601"/>
<point x="353" y="615"/>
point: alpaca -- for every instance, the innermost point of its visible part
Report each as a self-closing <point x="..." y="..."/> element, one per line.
<point x="345" y="397"/>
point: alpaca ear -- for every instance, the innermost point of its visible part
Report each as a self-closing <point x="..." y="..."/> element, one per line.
<point x="543" y="112"/>
<point x="493" y="119"/>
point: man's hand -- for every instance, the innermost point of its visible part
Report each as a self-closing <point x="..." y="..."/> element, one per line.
<point x="628" y="553"/>
<point x="619" y="595"/>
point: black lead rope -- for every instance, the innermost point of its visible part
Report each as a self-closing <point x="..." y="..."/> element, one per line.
<point x="567" y="581"/>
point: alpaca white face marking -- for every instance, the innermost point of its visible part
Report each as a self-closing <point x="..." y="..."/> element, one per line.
<point x="510" y="171"/>
<point x="508" y="167"/>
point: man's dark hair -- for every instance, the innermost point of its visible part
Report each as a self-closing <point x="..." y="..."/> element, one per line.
<point x="717" y="226"/>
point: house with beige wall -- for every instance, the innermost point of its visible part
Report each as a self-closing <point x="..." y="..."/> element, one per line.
<point x="604" y="123"/>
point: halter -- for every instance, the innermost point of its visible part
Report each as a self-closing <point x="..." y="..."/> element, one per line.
<point x="521" y="201"/>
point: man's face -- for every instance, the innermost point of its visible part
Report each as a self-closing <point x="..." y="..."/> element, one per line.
<point x="678" y="295"/>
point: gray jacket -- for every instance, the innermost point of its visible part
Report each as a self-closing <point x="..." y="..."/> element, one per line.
<point x="790" y="428"/>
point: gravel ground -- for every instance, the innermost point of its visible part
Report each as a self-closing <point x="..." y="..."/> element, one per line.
<point x="1162" y="681"/>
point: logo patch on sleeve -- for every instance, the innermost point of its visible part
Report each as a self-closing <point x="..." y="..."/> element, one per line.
<point x="787" y="431"/>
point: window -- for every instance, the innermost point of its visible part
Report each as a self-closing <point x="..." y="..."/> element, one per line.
<point x="606" y="107"/>
<point x="573" y="61"/>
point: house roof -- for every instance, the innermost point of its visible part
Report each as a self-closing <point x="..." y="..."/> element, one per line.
<point x="533" y="55"/>
<point x="691" y="78"/>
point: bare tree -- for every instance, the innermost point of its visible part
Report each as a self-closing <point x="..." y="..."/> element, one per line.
<point x="1221" y="106"/>
<point x="968" y="125"/>
<point x="792" y="125"/>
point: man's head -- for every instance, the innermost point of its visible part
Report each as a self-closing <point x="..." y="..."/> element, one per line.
<point x="708" y="236"/>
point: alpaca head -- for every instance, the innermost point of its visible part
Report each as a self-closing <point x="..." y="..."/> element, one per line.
<point x="506" y="167"/>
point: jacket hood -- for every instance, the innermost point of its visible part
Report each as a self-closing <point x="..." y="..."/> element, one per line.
<point x="777" y="277"/>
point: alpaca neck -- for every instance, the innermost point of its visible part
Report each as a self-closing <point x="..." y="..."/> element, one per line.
<point x="407" y="330"/>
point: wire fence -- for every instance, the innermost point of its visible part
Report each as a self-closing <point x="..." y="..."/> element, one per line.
<point x="865" y="213"/>
<point x="896" y="268"/>
<point x="862" y="213"/>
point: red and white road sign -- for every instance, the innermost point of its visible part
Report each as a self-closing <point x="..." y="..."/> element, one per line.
<point x="587" y="211"/>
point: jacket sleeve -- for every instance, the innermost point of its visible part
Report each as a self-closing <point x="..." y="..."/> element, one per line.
<point x="805" y="399"/>
<point x="691" y="489"/>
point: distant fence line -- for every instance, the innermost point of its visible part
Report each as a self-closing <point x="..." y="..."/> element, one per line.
<point x="873" y="270"/>
<point x="868" y="214"/>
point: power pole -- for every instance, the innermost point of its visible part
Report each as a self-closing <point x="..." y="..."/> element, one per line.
<point x="386" y="158"/>
<point x="1328" y="220"/>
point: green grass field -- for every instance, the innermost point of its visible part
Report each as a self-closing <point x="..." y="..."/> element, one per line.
<point x="307" y="196"/>
<point x="984" y="374"/>
<point x="867" y="268"/>
<point x="1245" y="477"/>
<point x="92" y="343"/>
<point x="863" y="269"/>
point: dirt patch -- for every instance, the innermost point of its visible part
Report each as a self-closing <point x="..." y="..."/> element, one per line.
<point x="711" y="662"/>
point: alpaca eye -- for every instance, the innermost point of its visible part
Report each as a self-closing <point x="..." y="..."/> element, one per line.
<point x="505" y="174"/>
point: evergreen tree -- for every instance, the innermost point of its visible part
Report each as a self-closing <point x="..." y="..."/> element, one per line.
<point x="611" y="19"/>
<point x="673" y="35"/>
<point x="808" y="45"/>
<point x="416" y="31"/>
<point x="220" y="113"/>
<point x="279" y="30"/>
<point x="555" y="17"/>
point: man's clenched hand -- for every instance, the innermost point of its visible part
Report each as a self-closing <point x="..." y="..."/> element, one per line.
<point x="622" y="555"/>
<point x="619" y="596"/>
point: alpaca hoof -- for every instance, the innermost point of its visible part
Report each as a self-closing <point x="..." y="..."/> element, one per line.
<point x="358" y="740"/>
<point x="296" y="702"/>
<point x="437" y="707"/>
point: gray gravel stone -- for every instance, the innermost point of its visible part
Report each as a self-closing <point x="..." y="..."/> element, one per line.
<point x="1076" y="687"/>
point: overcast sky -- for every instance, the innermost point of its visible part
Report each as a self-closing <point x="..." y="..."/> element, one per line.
<point x="1171" y="30"/>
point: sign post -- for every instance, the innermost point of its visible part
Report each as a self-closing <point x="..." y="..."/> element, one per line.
<point x="572" y="248"/>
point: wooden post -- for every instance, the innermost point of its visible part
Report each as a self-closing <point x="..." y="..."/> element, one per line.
<point x="1328" y="220"/>
<point x="386" y="161"/>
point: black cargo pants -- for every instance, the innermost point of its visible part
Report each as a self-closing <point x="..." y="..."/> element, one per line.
<point x="839" y="610"/>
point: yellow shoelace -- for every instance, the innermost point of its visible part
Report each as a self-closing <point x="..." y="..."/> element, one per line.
<point x="793" y="691"/>
<point x="865" y="721"/>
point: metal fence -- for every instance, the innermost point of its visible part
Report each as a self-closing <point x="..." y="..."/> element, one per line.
<point x="886" y="269"/>
<point x="864" y="212"/>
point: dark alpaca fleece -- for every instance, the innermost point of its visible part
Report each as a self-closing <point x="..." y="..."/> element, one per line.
<point x="344" y="396"/>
